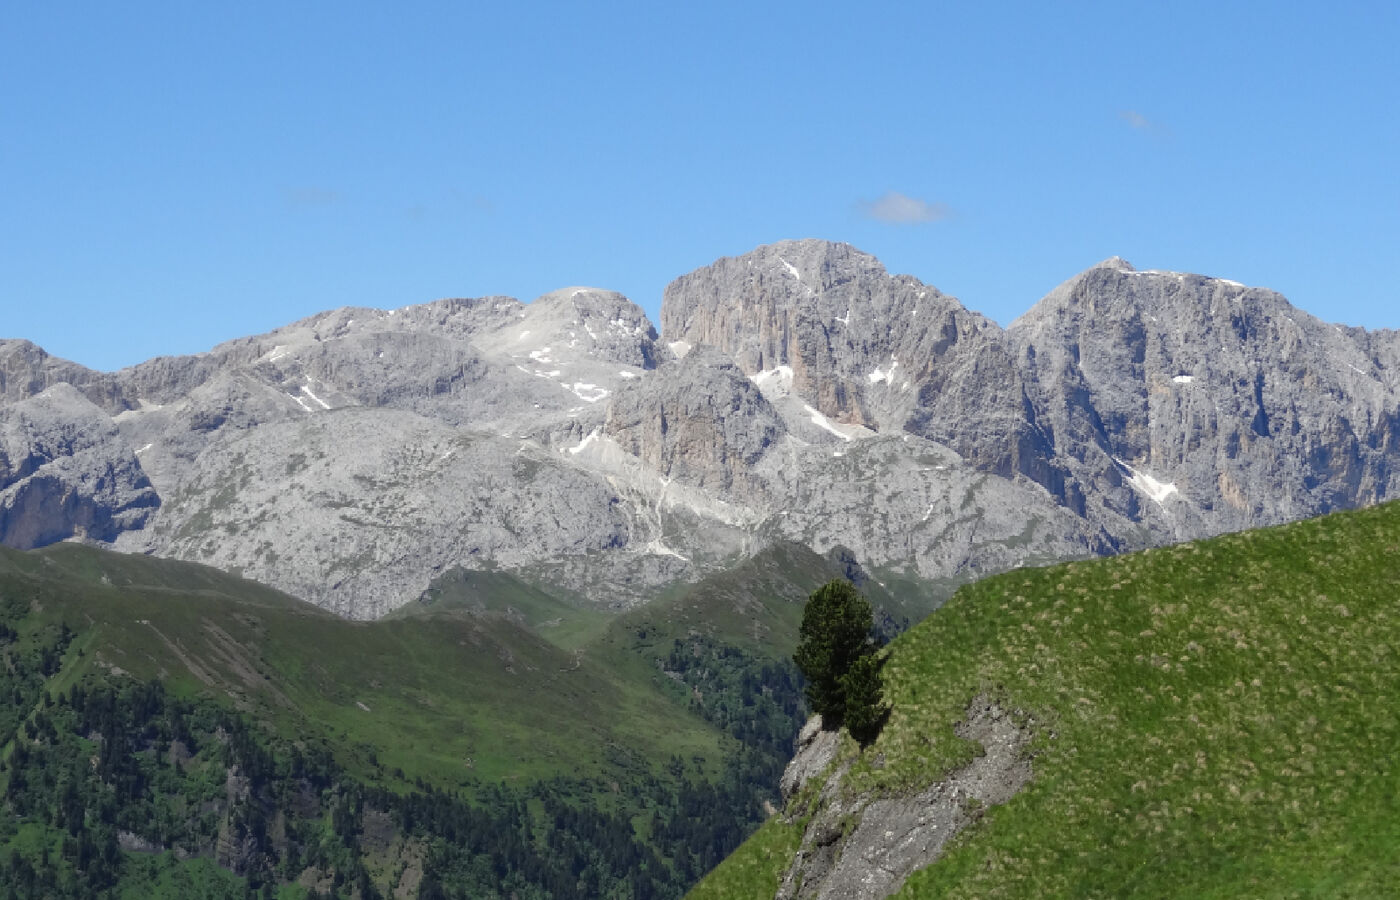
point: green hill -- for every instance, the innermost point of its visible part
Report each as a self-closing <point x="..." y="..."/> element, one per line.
<point x="1210" y="720"/>
<point x="600" y="753"/>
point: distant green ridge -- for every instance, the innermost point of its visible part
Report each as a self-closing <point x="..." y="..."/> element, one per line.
<point x="1216" y="719"/>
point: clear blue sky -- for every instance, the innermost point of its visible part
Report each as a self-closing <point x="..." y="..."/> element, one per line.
<point x="177" y="174"/>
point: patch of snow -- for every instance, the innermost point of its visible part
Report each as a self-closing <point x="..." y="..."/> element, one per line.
<point x="579" y="447"/>
<point x="657" y="548"/>
<point x="379" y="355"/>
<point x="541" y="355"/>
<point x="629" y="374"/>
<point x="448" y="454"/>
<point x="521" y="335"/>
<point x="680" y="348"/>
<point x="622" y="326"/>
<point x="276" y="353"/>
<point x="1162" y="272"/>
<point x="305" y="389"/>
<point x="1356" y="370"/>
<point x="589" y="393"/>
<point x="300" y="402"/>
<point x="144" y="449"/>
<point x="885" y="375"/>
<point x="1159" y="491"/>
<point x="837" y="453"/>
<point x="823" y="422"/>
<point x="928" y="512"/>
<point x="1184" y="379"/>
<point x="846" y="319"/>
<point x="777" y="381"/>
<point x="792" y="270"/>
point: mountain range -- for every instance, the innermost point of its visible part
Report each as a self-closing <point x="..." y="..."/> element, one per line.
<point x="798" y="393"/>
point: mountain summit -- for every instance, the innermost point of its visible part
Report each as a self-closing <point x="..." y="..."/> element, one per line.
<point x="799" y="392"/>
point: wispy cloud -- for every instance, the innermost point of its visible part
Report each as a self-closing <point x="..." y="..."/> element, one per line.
<point x="901" y="209"/>
<point x="1135" y="119"/>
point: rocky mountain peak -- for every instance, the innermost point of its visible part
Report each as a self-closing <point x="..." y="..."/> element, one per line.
<point x="347" y="456"/>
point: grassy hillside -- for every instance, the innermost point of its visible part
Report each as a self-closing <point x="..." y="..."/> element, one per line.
<point x="1212" y="720"/>
<point x="448" y="698"/>
<point x="554" y="722"/>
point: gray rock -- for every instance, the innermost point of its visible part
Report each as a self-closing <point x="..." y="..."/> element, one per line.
<point x="865" y="348"/>
<point x="698" y="419"/>
<point x="802" y="393"/>
<point x="896" y="836"/>
<point x="816" y="749"/>
<point x="65" y="471"/>
<point x="1198" y="405"/>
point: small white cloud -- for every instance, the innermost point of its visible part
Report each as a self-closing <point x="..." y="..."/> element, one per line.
<point x="900" y="209"/>
<point x="1134" y="119"/>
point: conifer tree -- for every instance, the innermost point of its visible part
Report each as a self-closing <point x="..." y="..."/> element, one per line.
<point x="836" y="653"/>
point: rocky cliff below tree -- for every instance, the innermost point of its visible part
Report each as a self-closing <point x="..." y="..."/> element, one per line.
<point x="800" y="392"/>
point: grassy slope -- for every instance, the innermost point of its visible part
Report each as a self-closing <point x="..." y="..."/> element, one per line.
<point x="451" y="697"/>
<point x="1215" y="719"/>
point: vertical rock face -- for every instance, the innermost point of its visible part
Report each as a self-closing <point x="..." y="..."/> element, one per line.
<point x="65" y="471"/>
<point x="1219" y="402"/>
<point x="26" y="370"/>
<point x="699" y="420"/>
<point x="865" y="348"/>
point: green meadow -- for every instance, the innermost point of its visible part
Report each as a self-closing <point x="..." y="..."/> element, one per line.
<point x="1216" y="719"/>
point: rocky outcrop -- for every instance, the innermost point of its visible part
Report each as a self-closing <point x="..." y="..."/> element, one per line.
<point x="65" y="472"/>
<point x="1207" y="405"/>
<point x="816" y="749"/>
<point x="893" y="837"/>
<point x="863" y="347"/>
<point x="699" y="420"/>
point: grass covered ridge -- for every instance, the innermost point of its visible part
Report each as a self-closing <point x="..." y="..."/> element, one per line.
<point x="1215" y="719"/>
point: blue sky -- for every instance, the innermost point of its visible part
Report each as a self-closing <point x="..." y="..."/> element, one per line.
<point x="176" y="174"/>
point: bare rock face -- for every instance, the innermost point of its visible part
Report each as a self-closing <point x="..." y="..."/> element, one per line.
<point x="65" y="471"/>
<point x="801" y="393"/>
<point x="355" y="508"/>
<point x="26" y="370"/>
<point x="895" y="836"/>
<point x="1209" y="406"/>
<point x="864" y="347"/>
<point x="698" y="419"/>
<point x="816" y="749"/>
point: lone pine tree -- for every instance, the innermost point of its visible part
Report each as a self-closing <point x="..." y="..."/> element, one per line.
<point x="836" y="653"/>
